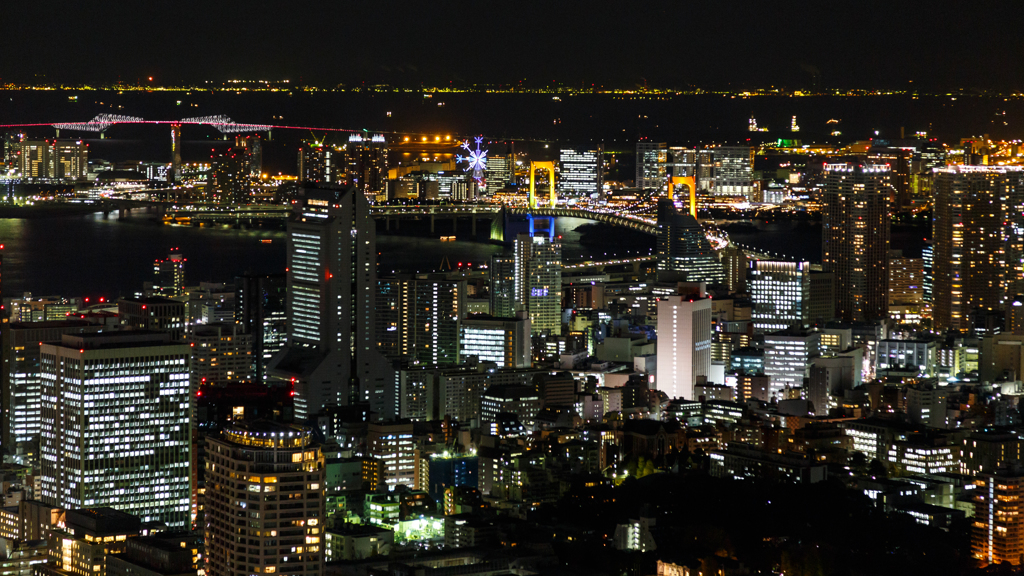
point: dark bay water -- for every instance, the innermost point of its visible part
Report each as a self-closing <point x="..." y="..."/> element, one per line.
<point x="96" y="256"/>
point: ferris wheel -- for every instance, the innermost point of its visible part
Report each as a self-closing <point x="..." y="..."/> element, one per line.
<point x="476" y="161"/>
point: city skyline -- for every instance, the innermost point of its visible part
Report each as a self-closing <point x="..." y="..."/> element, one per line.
<point x="665" y="289"/>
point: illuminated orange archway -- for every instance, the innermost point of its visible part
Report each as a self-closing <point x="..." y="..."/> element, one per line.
<point x="550" y="167"/>
<point x="690" y="182"/>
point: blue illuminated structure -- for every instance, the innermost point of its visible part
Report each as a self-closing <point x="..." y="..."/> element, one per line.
<point x="476" y="162"/>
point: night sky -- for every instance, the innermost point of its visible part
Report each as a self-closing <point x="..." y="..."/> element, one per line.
<point x="678" y="43"/>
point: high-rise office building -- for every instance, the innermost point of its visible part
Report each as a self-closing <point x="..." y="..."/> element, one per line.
<point x="261" y="310"/>
<point x="651" y="164"/>
<point x="905" y="279"/>
<point x="221" y="355"/>
<point x="822" y="305"/>
<point x="538" y="281"/>
<point x="977" y="249"/>
<point x="66" y="160"/>
<point x="855" y="238"/>
<point x="70" y="159"/>
<point x="332" y="281"/>
<point x="252" y="148"/>
<point x="419" y="318"/>
<point x="781" y="292"/>
<point x="116" y="424"/>
<point x="34" y="161"/>
<point x="503" y="286"/>
<point x="500" y="400"/>
<point x="735" y="262"/>
<point x="229" y="178"/>
<point x="580" y="172"/>
<point x="504" y="341"/>
<point x="155" y="313"/>
<point x="787" y="357"/>
<point x="683" y="246"/>
<point x="997" y="534"/>
<point x="392" y="443"/>
<point x="682" y="161"/>
<point x="169" y="275"/>
<point x="280" y="470"/>
<point x="20" y="384"/>
<point x="928" y="272"/>
<point x="684" y="343"/>
<point x="734" y="171"/>
<point x="898" y="160"/>
<point x="86" y="538"/>
<point x="321" y="164"/>
<point x="500" y="172"/>
<point x="705" y="169"/>
<point x="367" y="163"/>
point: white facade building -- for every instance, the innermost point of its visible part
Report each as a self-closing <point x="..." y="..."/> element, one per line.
<point x="684" y="343"/>
<point x="787" y="357"/>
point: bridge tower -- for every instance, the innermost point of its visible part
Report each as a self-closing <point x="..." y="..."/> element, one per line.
<point x="175" y="152"/>
<point x="550" y="167"/>
<point x="690" y="183"/>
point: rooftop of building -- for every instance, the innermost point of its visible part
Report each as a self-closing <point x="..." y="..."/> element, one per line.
<point x="266" y="427"/>
<point x="511" y="392"/>
<point x="108" y="339"/>
<point x="101" y="520"/>
<point x="154" y="300"/>
<point x="489" y="318"/>
<point x="350" y="529"/>
<point x="264" y="434"/>
<point x="48" y="324"/>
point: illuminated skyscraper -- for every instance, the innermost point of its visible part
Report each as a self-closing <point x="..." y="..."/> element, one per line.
<point x="253" y="148"/>
<point x="20" y="379"/>
<point x="320" y="164"/>
<point x="684" y="343"/>
<point x="261" y="310"/>
<point x="898" y="160"/>
<point x="855" y="239"/>
<point x="70" y="159"/>
<point x="229" y="182"/>
<point x="499" y="172"/>
<point x="683" y="246"/>
<point x="905" y="279"/>
<point x="116" y="424"/>
<point x="538" y="269"/>
<point x="781" y="292"/>
<point x="169" y="275"/>
<point x="221" y="355"/>
<point x="734" y="171"/>
<point x="651" y="164"/>
<point x="503" y="286"/>
<point x="332" y="280"/>
<point x="419" y="318"/>
<point x="283" y="508"/>
<point x="682" y="161"/>
<point x="504" y="341"/>
<point x="367" y="163"/>
<point x="997" y="534"/>
<point x="34" y="161"/>
<point x="928" y="277"/>
<point x="977" y="243"/>
<point x="787" y="358"/>
<point x="579" y="172"/>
